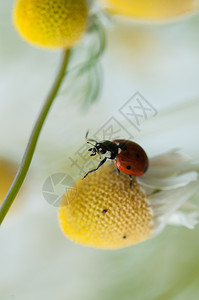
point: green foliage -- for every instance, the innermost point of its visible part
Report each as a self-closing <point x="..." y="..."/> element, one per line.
<point x="87" y="74"/>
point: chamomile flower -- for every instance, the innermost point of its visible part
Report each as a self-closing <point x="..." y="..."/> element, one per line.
<point x="103" y="211"/>
<point x="153" y="9"/>
<point x="49" y="23"/>
<point x="7" y="172"/>
<point x="8" y="169"/>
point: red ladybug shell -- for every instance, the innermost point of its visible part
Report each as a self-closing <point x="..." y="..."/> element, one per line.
<point x="133" y="160"/>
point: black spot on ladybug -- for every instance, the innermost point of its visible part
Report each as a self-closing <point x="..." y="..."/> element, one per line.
<point x="137" y="155"/>
<point x="128" y="167"/>
<point x="104" y="211"/>
<point x="145" y="169"/>
<point x="124" y="236"/>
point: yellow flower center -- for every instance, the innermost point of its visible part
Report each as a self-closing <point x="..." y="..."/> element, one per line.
<point x="153" y="9"/>
<point x="103" y="211"/>
<point x="51" y="23"/>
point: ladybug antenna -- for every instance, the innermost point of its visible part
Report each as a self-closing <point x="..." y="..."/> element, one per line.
<point x="89" y="140"/>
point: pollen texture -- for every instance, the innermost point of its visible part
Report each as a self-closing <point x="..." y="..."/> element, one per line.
<point x="51" y="23"/>
<point x="153" y="9"/>
<point x="103" y="211"/>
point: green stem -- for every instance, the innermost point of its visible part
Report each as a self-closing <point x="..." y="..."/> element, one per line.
<point x="26" y="160"/>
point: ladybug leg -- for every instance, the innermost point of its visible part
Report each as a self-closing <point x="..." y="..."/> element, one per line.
<point x="118" y="171"/>
<point x="100" y="164"/>
<point x="131" y="181"/>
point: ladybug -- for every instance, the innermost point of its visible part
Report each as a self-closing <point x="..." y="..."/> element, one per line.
<point x="130" y="158"/>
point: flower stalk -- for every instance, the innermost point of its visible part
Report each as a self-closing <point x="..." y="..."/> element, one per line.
<point x="29" y="152"/>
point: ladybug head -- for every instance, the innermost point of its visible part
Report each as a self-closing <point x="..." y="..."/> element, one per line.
<point x="94" y="151"/>
<point x="96" y="147"/>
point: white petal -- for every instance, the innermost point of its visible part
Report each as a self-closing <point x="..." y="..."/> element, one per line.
<point x="189" y="207"/>
<point x="170" y="163"/>
<point x="188" y="220"/>
<point x="169" y="182"/>
<point x="165" y="203"/>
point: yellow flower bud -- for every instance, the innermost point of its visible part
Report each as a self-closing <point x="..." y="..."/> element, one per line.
<point x="103" y="211"/>
<point x="51" y="23"/>
<point x="153" y="9"/>
<point x="8" y="170"/>
<point x="7" y="174"/>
